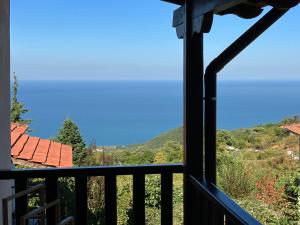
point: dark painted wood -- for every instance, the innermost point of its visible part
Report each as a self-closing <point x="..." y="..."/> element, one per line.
<point x="139" y="199"/>
<point x="193" y="117"/>
<point x="244" y="40"/>
<point x="110" y="200"/>
<point x="91" y="171"/>
<point x="211" y="127"/>
<point x="222" y="202"/>
<point x="216" y="217"/>
<point x="81" y="200"/>
<point x="211" y="85"/>
<point x="167" y="199"/>
<point x="21" y="202"/>
<point x="51" y="195"/>
<point x="229" y="222"/>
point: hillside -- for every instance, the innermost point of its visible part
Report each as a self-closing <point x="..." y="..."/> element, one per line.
<point x="256" y="138"/>
<point x="257" y="167"/>
<point x="175" y="135"/>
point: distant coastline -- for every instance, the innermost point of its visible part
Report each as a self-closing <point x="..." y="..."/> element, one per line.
<point x="117" y="113"/>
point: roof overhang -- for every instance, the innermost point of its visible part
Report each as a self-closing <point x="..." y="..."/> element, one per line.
<point x="242" y="8"/>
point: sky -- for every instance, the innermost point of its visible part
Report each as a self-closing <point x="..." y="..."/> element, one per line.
<point x="134" y="40"/>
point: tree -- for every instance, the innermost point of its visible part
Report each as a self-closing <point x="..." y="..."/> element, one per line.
<point x="69" y="134"/>
<point x="17" y="108"/>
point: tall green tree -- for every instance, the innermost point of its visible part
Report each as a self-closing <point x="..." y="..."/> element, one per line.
<point x="69" y="134"/>
<point x="17" y="108"/>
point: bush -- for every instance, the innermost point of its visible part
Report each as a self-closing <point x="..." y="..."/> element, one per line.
<point x="233" y="177"/>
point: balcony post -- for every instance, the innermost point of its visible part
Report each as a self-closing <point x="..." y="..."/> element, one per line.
<point x="5" y="160"/>
<point x="193" y="117"/>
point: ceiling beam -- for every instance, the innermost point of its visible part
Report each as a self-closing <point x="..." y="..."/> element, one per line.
<point x="177" y="2"/>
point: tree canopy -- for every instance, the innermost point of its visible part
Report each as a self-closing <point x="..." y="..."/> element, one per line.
<point x="69" y="134"/>
<point x="17" y="108"/>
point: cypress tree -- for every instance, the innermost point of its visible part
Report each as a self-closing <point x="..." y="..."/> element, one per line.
<point x="69" y="134"/>
<point x="17" y="108"/>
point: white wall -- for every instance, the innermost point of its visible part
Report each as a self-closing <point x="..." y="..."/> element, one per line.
<point x="5" y="160"/>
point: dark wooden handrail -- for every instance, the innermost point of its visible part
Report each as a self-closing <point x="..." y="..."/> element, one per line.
<point x="232" y="212"/>
<point x="222" y="207"/>
<point x="110" y="173"/>
<point x="90" y="171"/>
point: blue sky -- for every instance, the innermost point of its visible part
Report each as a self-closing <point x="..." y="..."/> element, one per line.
<point x="134" y="40"/>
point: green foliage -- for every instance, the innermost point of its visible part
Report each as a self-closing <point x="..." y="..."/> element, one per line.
<point x="69" y="134"/>
<point x="17" y="108"/>
<point x="291" y="120"/>
<point x="124" y="195"/>
<point x="292" y="195"/>
<point x="263" y="212"/>
<point x="66" y="189"/>
<point x="233" y="177"/>
<point x="175" y="135"/>
<point x="258" y="153"/>
<point x="134" y="157"/>
<point x="153" y="191"/>
<point x="173" y="152"/>
<point x="225" y="138"/>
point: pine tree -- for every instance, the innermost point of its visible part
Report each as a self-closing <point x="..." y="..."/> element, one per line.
<point x="17" y="108"/>
<point x="69" y="134"/>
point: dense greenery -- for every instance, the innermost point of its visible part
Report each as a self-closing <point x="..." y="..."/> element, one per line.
<point x="17" y="108"/>
<point x="256" y="166"/>
<point x="69" y="134"/>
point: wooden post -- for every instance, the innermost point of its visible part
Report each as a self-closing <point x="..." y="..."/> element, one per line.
<point x="5" y="160"/>
<point x="193" y="117"/>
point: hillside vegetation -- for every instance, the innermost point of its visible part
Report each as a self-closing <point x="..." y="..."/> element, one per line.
<point x="258" y="167"/>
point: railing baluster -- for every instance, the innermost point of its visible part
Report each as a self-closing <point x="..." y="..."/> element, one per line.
<point x="81" y="200"/>
<point x="51" y="195"/>
<point x="110" y="200"/>
<point x="167" y="199"/>
<point x="228" y="221"/>
<point x="21" y="202"/>
<point x="216" y="217"/>
<point x="139" y="199"/>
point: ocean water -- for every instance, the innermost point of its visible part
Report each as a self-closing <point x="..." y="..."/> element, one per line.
<point x="129" y="112"/>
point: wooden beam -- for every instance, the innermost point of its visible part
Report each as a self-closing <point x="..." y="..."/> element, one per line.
<point x="193" y="117"/>
<point x="5" y="161"/>
<point x="4" y="85"/>
<point x="177" y="2"/>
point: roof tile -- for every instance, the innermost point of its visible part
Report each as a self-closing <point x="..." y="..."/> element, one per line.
<point x="39" y="150"/>
<point x="19" y="145"/>
<point x="66" y="156"/>
<point x="295" y="128"/>
<point x="29" y="148"/>
<point x="53" y="157"/>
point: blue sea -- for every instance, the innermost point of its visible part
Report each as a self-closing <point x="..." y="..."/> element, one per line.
<point x="130" y="112"/>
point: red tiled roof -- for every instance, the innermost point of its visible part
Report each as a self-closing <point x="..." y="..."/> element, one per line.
<point x="294" y="128"/>
<point x="37" y="150"/>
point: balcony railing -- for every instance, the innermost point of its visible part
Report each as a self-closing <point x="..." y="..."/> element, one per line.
<point x="217" y="207"/>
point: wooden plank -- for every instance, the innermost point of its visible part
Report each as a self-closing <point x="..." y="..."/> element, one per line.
<point x="139" y="199"/>
<point x="167" y="199"/>
<point x="81" y="200"/>
<point x="110" y="200"/>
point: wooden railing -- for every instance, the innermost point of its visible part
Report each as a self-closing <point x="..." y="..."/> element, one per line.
<point x="226" y="210"/>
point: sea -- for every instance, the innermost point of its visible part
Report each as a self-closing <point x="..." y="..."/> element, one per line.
<point x="120" y="113"/>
